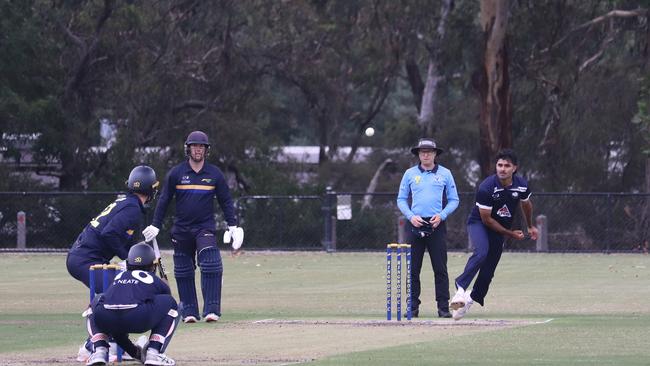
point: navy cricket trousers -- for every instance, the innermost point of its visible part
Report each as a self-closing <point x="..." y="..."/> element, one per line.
<point x="151" y="315"/>
<point x="488" y="246"/>
<point x="78" y="265"/>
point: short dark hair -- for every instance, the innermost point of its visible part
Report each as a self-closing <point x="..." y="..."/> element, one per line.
<point x="507" y="154"/>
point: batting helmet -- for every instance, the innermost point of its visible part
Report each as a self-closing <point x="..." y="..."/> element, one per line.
<point x="141" y="256"/>
<point x="142" y="179"/>
<point x="197" y="138"/>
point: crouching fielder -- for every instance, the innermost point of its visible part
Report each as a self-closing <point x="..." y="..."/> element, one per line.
<point x="136" y="302"/>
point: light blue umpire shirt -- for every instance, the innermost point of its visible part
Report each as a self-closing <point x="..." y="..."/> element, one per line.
<point x="427" y="189"/>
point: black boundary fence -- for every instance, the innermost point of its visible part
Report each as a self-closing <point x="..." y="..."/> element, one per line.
<point x="342" y="221"/>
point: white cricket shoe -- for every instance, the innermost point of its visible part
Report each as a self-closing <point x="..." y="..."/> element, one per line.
<point x="211" y="318"/>
<point x="458" y="301"/>
<point x="158" y="359"/>
<point x="190" y="319"/>
<point x="83" y="354"/>
<point x="98" y="357"/>
<point x="460" y="313"/>
<point x="112" y="353"/>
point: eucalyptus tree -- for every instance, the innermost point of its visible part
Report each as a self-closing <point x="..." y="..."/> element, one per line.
<point x="575" y="75"/>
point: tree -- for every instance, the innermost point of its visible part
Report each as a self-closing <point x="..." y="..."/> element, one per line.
<point x="493" y="83"/>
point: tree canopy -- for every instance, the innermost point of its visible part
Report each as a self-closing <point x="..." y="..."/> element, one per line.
<point x="564" y="83"/>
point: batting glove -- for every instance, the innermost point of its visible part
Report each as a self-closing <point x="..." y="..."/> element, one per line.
<point x="150" y="233"/>
<point x="236" y="234"/>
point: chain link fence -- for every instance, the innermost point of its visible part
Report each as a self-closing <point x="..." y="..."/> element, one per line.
<point x="596" y="222"/>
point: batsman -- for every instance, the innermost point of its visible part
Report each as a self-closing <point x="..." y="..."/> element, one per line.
<point x="195" y="183"/>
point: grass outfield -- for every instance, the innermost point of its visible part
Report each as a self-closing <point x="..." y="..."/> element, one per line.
<point x="328" y="309"/>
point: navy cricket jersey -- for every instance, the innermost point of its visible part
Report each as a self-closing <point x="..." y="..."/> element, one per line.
<point x="132" y="288"/>
<point x="503" y="201"/>
<point x="195" y="194"/>
<point x="111" y="232"/>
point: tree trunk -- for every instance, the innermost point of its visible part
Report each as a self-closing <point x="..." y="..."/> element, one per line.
<point x="428" y="113"/>
<point x="372" y="186"/>
<point x="495" y="125"/>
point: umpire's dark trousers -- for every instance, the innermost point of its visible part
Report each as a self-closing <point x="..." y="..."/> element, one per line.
<point x="436" y="245"/>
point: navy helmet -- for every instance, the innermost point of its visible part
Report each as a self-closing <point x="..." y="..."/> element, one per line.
<point x="197" y="138"/>
<point x="142" y="179"/>
<point x="141" y="256"/>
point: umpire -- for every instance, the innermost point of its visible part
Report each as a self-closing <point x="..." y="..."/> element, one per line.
<point x="429" y="185"/>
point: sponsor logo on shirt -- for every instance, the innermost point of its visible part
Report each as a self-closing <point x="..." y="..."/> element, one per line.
<point x="206" y="180"/>
<point x="504" y="212"/>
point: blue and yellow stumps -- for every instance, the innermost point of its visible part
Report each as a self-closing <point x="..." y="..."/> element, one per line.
<point x="397" y="249"/>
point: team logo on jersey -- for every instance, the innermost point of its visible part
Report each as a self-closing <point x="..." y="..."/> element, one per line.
<point x="418" y="179"/>
<point x="515" y="195"/>
<point x="206" y="180"/>
<point x="504" y="212"/>
<point x="495" y="196"/>
<point x="185" y="177"/>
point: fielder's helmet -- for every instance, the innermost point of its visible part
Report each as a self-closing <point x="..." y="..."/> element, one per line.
<point x="198" y="138"/>
<point x="142" y="179"/>
<point x="141" y="255"/>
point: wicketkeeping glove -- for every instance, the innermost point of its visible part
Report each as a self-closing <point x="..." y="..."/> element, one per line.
<point x="150" y="233"/>
<point x="236" y="234"/>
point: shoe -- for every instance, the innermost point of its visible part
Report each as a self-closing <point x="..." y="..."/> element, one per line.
<point x="190" y="319"/>
<point x="415" y="313"/>
<point x="458" y="301"/>
<point x="112" y="353"/>
<point x="98" y="357"/>
<point x="158" y="359"/>
<point x="442" y="313"/>
<point x="211" y="318"/>
<point x="83" y="354"/>
<point x="467" y="302"/>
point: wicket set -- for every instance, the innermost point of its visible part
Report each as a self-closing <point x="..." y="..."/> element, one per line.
<point x="398" y="249"/>
<point x="109" y="271"/>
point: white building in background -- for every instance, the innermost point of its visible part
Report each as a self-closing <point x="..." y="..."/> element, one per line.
<point x="16" y="154"/>
<point x="309" y="154"/>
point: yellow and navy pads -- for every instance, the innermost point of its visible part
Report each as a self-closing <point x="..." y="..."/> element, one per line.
<point x="194" y="194"/>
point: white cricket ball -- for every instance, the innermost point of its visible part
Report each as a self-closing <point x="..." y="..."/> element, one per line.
<point x="370" y="131"/>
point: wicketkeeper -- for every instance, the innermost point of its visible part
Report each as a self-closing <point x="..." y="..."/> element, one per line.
<point x="136" y="302"/>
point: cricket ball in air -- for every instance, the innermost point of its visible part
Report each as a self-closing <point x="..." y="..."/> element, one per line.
<point x="370" y="131"/>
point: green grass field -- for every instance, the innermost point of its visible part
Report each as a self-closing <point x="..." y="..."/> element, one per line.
<point x="326" y="309"/>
